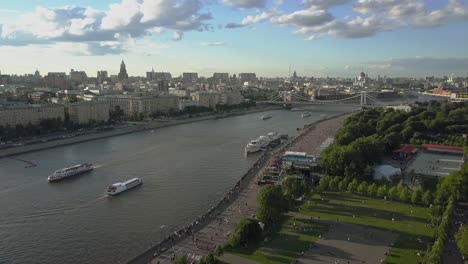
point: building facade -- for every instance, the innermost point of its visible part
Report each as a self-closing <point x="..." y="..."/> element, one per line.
<point x="205" y="98"/>
<point x="221" y="77"/>
<point x="78" y="76"/>
<point x="30" y="114"/>
<point x="85" y="112"/>
<point x="142" y="104"/>
<point x="248" y="77"/>
<point x="190" y="77"/>
<point x="213" y="98"/>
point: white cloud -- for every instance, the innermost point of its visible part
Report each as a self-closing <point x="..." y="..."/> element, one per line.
<point x="249" y="20"/>
<point x="312" y="37"/>
<point x="130" y="18"/>
<point x="323" y="4"/>
<point x="246" y="3"/>
<point x="210" y="44"/>
<point x="303" y="18"/>
<point x="177" y="35"/>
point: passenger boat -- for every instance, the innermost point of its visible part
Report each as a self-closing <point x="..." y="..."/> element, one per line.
<point x="305" y="114"/>
<point x="257" y="144"/>
<point x="275" y="139"/>
<point x="265" y="117"/>
<point x="119" y="187"/>
<point x="70" y="171"/>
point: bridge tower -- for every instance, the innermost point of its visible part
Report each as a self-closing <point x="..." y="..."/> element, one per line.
<point x="363" y="98"/>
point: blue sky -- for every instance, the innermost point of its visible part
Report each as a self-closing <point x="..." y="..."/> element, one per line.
<point x="316" y="37"/>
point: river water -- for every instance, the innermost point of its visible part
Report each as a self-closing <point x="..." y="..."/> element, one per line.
<point x="185" y="170"/>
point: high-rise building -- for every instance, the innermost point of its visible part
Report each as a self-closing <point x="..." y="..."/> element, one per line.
<point x="158" y="76"/>
<point x="150" y="75"/>
<point x="78" y="76"/>
<point x="56" y="80"/>
<point x="190" y="77"/>
<point x="102" y="76"/>
<point x="219" y="77"/>
<point x="123" y="75"/>
<point x="163" y="86"/>
<point x="37" y="74"/>
<point x="247" y="77"/>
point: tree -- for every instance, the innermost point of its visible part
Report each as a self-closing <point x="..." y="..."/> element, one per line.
<point x="181" y="260"/>
<point x="427" y="198"/>
<point x="372" y="189"/>
<point x="333" y="184"/>
<point x="462" y="240"/>
<point x="392" y="192"/>
<point x="342" y="185"/>
<point x="293" y="188"/>
<point x="416" y="196"/>
<point x="352" y="186"/>
<point x="209" y="259"/>
<point x="271" y="205"/>
<point x="324" y="182"/>
<point x="218" y="251"/>
<point x="247" y="232"/>
<point x="382" y="191"/>
<point x="404" y="194"/>
<point x="362" y="188"/>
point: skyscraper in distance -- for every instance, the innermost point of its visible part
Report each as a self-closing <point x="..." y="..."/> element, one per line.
<point x="123" y="75"/>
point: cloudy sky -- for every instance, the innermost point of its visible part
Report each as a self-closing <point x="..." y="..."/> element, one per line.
<point x="315" y="37"/>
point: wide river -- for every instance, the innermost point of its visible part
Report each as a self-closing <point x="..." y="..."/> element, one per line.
<point x="185" y="170"/>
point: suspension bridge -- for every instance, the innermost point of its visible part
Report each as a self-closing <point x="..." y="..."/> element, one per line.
<point x="361" y="99"/>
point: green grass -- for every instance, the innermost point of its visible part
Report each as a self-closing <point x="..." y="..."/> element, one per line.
<point x="409" y="220"/>
<point x="294" y="237"/>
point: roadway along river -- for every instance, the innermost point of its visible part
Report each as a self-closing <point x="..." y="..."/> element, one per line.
<point x="185" y="170"/>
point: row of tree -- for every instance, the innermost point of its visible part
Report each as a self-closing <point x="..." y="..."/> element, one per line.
<point x="434" y="256"/>
<point x="397" y="192"/>
<point x="20" y="131"/>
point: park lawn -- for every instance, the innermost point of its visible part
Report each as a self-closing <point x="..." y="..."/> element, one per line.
<point x="353" y="209"/>
<point x="294" y="237"/>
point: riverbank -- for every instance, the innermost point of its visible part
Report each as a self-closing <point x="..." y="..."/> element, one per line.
<point x="214" y="227"/>
<point x="121" y="131"/>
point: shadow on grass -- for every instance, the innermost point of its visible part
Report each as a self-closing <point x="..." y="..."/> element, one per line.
<point x="295" y="237"/>
<point x="317" y="205"/>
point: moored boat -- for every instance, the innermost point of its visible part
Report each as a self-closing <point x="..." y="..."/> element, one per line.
<point x="119" y="187"/>
<point x="70" y="171"/>
<point x="257" y="144"/>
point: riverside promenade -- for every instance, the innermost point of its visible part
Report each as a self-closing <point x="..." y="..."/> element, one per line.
<point x="141" y="126"/>
<point x="213" y="228"/>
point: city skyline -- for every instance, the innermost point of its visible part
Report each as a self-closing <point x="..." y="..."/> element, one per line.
<point x="316" y="37"/>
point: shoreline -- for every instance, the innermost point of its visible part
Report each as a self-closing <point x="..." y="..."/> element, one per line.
<point x="165" y="250"/>
<point x="123" y="131"/>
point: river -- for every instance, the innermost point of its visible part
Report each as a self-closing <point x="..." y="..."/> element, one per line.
<point x="186" y="169"/>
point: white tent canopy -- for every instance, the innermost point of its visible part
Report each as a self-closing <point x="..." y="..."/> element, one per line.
<point x="385" y="171"/>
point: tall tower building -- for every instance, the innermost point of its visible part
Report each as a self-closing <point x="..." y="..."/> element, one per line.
<point x="123" y="72"/>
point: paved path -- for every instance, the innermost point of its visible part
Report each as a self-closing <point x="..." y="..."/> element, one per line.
<point x="348" y="243"/>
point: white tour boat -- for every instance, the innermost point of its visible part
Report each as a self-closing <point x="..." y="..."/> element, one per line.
<point x="265" y="117"/>
<point x="257" y="144"/>
<point x="119" y="187"/>
<point x="70" y="171"/>
<point x="305" y="114"/>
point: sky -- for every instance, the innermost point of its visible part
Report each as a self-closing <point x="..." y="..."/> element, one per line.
<point x="412" y="38"/>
